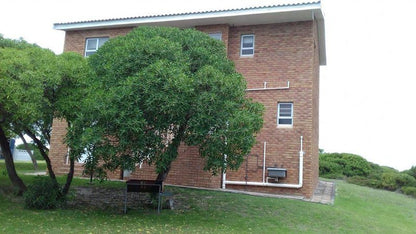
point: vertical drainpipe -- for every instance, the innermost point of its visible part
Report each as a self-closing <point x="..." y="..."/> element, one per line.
<point x="223" y="172"/>
<point x="301" y="153"/>
<point x="264" y="162"/>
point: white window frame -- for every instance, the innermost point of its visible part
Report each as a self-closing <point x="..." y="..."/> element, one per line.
<point x="217" y="36"/>
<point x="89" y="52"/>
<point x="279" y="117"/>
<point x="242" y="48"/>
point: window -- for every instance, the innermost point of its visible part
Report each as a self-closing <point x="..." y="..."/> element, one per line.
<point x="285" y="114"/>
<point x="247" y="45"/>
<point x="217" y="36"/>
<point x="92" y="45"/>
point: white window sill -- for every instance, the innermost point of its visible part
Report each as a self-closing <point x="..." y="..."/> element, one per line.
<point x="284" y="126"/>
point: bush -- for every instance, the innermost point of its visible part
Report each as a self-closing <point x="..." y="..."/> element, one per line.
<point x="330" y="170"/>
<point x="411" y="191"/>
<point x="43" y="194"/>
<point x="343" y="164"/>
<point x="394" y="180"/>
<point x="411" y="171"/>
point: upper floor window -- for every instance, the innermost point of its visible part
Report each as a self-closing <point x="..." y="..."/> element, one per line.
<point x="285" y="114"/>
<point x="217" y="36"/>
<point x="247" y="45"/>
<point x="92" y="45"/>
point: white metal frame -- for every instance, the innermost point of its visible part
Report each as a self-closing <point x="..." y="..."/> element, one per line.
<point x="97" y="40"/>
<point x="285" y="117"/>
<point x="242" y="48"/>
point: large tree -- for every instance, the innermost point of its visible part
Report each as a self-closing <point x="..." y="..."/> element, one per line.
<point x="35" y="86"/>
<point x="158" y="87"/>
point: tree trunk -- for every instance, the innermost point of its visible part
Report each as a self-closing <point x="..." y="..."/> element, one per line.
<point x="69" y="177"/>
<point x="44" y="154"/>
<point x="172" y="151"/>
<point x="32" y="157"/>
<point x="8" y="158"/>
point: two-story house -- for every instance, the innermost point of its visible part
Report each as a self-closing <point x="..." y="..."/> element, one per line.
<point x="279" y="50"/>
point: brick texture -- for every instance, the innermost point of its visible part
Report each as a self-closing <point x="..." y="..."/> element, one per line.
<point x="283" y="52"/>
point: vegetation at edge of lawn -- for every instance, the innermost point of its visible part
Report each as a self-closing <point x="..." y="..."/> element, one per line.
<point x="356" y="210"/>
<point x="355" y="169"/>
<point x="27" y="167"/>
<point x="24" y="167"/>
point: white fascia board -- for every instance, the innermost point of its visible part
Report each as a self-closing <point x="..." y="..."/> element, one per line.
<point x="180" y="19"/>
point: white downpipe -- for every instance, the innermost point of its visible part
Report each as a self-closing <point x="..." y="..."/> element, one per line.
<point x="299" y="185"/>
<point x="224" y="174"/>
<point x="264" y="162"/>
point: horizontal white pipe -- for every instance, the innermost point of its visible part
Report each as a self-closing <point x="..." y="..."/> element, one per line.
<point x="264" y="184"/>
<point x="265" y="88"/>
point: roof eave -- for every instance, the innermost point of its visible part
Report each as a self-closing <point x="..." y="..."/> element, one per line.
<point x="263" y="15"/>
<point x="187" y="19"/>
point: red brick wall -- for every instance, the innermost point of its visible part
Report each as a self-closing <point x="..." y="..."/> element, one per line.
<point x="220" y="28"/>
<point x="75" y="40"/>
<point x="283" y="52"/>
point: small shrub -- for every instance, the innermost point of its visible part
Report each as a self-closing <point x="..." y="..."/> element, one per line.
<point x="394" y="180"/>
<point x="406" y="180"/>
<point x="43" y="194"/>
<point x="330" y="170"/>
<point x="411" y="191"/>
<point x="343" y="164"/>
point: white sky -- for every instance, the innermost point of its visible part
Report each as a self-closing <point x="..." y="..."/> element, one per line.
<point x="367" y="97"/>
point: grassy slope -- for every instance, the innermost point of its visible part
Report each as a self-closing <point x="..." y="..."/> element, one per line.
<point x="356" y="210"/>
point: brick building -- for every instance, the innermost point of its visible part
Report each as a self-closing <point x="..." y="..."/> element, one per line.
<point x="278" y="49"/>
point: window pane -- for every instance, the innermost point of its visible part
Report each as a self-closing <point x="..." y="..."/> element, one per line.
<point x="285" y="113"/>
<point x="285" y="121"/>
<point x="247" y="51"/>
<point x="248" y="41"/>
<point x="217" y="36"/>
<point x="285" y="110"/>
<point x="101" y="41"/>
<point x="89" y="53"/>
<point x="92" y="44"/>
<point x="285" y="105"/>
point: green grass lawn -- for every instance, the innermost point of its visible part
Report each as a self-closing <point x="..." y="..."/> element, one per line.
<point x="25" y="167"/>
<point x="356" y="210"/>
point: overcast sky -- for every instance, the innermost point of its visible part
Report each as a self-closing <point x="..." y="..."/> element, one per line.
<point x="367" y="89"/>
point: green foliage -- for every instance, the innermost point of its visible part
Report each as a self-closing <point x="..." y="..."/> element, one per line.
<point x="411" y="171"/>
<point x="43" y="194"/>
<point x="157" y="87"/>
<point x="358" y="171"/>
<point x="19" y="44"/>
<point x="25" y="75"/>
<point x="395" y="180"/>
<point x="411" y="191"/>
<point x="35" y="86"/>
<point x="335" y="165"/>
